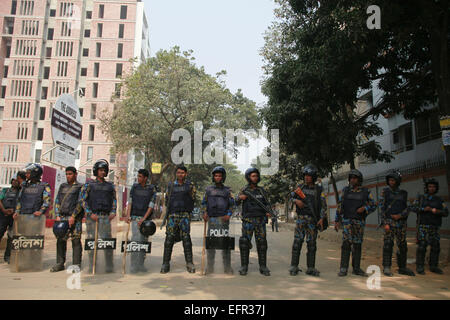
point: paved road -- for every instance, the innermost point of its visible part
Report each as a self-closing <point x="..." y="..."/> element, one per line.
<point x="178" y="284"/>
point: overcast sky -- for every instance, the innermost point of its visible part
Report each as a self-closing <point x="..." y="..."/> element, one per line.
<point x="224" y="35"/>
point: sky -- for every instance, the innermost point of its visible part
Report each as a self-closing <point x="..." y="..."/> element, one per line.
<point x="224" y="35"/>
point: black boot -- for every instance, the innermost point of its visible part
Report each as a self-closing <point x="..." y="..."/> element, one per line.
<point x="168" y="246"/>
<point x="402" y="256"/>
<point x="356" y="260"/>
<point x="434" y="257"/>
<point x="261" y="247"/>
<point x="387" y="257"/>
<point x="8" y="250"/>
<point x="345" y="258"/>
<point x="187" y="246"/>
<point x="296" y="249"/>
<point x="244" y="250"/>
<point x="226" y="258"/>
<point x="61" y="248"/>
<point x="76" y="252"/>
<point x="210" y="259"/>
<point x="311" y="259"/>
<point x="420" y="257"/>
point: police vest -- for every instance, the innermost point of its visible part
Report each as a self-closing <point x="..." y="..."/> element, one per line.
<point x="180" y="197"/>
<point x="10" y="199"/>
<point x="395" y="202"/>
<point x="141" y="197"/>
<point x="352" y="201"/>
<point x="250" y="207"/>
<point x="427" y="217"/>
<point x="312" y="202"/>
<point x="31" y="199"/>
<point x="218" y="200"/>
<point x="68" y="195"/>
<point x="100" y="198"/>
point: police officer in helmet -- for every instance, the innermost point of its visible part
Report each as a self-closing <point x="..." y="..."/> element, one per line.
<point x="217" y="204"/>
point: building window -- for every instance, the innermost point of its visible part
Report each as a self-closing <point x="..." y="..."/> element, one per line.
<point x="88" y="14"/>
<point x="117" y="87"/>
<point x="90" y="153"/>
<point x="402" y="138"/>
<point x="91" y="132"/>
<point x="123" y="12"/>
<point x="37" y="155"/>
<point x="87" y="33"/>
<point x="101" y="11"/>
<point x="99" y="30"/>
<point x="40" y="134"/>
<point x="83" y="72"/>
<point x="48" y="53"/>
<point x="46" y="72"/>
<point x="42" y="113"/>
<point x="427" y="128"/>
<point x="96" y="69"/>
<point x="120" y="50"/>
<point x="119" y="69"/>
<point x="50" y="34"/>
<point x="85" y="52"/>
<point x="98" y="49"/>
<point x="44" y="93"/>
<point x="94" y="90"/>
<point x="13" y="7"/>
<point x="121" y="30"/>
<point x="93" y="111"/>
<point x="81" y="112"/>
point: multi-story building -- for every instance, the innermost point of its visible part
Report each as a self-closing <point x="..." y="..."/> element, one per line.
<point x="51" y="47"/>
<point x="418" y="154"/>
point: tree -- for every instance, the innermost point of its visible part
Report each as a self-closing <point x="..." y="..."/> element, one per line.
<point x="169" y="92"/>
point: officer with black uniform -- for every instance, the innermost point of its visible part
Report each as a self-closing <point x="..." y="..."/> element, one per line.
<point x="430" y="210"/>
<point x="311" y="209"/>
<point x="395" y="210"/>
<point x="180" y="197"/>
<point x="356" y="203"/>
<point x="218" y="203"/>
<point x="68" y="219"/>
<point x="254" y="219"/>
<point x="140" y="208"/>
<point x="98" y="200"/>
<point x="8" y="201"/>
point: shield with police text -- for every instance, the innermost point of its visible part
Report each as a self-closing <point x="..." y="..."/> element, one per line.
<point x="219" y="236"/>
<point x="27" y="243"/>
<point x="138" y="249"/>
<point x="103" y="259"/>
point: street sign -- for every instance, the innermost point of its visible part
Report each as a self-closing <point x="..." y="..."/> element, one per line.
<point x="66" y="130"/>
<point x="156" y="168"/>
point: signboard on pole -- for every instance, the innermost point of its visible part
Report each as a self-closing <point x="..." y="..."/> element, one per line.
<point x="66" y="130"/>
<point x="156" y="168"/>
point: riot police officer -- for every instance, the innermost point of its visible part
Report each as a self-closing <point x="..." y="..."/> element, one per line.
<point x="430" y="210"/>
<point x="98" y="200"/>
<point x="394" y="207"/>
<point x="140" y="208"/>
<point x="8" y="201"/>
<point x="180" y="197"/>
<point x="217" y="204"/>
<point x="311" y="209"/>
<point x="254" y="219"/>
<point x="66" y="206"/>
<point x="356" y="203"/>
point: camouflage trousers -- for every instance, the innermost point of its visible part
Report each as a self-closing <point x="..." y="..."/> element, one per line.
<point x="75" y="231"/>
<point x="397" y="231"/>
<point x="256" y="225"/>
<point x="178" y="224"/>
<point x="305" y="226"/>
<point x="353" y="230"/>
<point x="428" y="233"/>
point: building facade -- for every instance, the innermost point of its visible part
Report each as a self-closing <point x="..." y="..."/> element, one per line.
<point x="52" y="47"/>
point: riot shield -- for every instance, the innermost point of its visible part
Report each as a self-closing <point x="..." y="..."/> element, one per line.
<point x="219" y="237"/>
<point x="138" y="249"/>
<point x="27" y="243"/>
<point x="103" y="257"/>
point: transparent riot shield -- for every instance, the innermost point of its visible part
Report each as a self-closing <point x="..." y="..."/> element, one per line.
<point x="100" y="260"/>
<point x="27" y="243"/>
<point x="220" y="237"/>
<point x="138" y="248"/>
